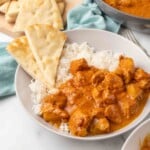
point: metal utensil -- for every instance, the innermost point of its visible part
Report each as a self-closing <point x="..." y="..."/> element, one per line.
<point x="127" y="33"/>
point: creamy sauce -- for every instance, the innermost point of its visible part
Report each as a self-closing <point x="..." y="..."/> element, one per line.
<point x="132" y="118"/>
<point x="139" y="8"/>
<point x="96" y="101"/>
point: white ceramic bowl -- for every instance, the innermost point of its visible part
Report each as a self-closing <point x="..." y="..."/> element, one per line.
<point x="136" y="138"/>
<point x="100" y="40"/>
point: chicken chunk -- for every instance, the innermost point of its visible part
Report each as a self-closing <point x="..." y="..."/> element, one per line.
<point x="79" y="123"/>
<point x="112" y="81"/>
<point x="83" y="78"/>
<point x="98" y="112"/>
<point x="113" y="113"/>
<point x="100" y="125"/>
<point x="78" y="65"/>
<point x="98" y="77"/>
<point x="144" y="84"/>
<point x="80" y="79"/>
<point x="143" y="78"/>
<point x="133" y="90"/>
<point x="125" y="2"/>
<point x="52" y="107"/>
<point x="69" y="91"/>
<point x="128" y="105"/>
<point x="141" y="74"/>
<point x="58" y="99"/>
<point x="103" y="97"/>
<point x="53" y="113"/>
<point x="126" y="69"/>
<point x="108" y="97"/>
<point x="97" y="96"/>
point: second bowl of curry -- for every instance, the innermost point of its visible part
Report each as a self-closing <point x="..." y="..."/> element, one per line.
<point x="133" y="14"/>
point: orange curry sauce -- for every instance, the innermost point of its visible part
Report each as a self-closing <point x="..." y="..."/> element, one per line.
<point x="96" y="101"/>
<point x="139" y="8"/>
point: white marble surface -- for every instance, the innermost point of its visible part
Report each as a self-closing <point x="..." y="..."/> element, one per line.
<point x="19" y="132"/>
<point x="144" y="40"/>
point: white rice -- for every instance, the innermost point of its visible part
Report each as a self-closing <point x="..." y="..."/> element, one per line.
<point x="72" y="52"/>
<point x="101" y="59"/>
<point x="38" y="91"/>
<point x="37" y="109"/>
<point x="64" y="127"/>
<point x="105" y="60"/>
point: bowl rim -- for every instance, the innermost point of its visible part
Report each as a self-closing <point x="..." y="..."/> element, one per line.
<point x="69" y="136"/>
<point x="130" y="16"/>
<point x="147" y="121"/>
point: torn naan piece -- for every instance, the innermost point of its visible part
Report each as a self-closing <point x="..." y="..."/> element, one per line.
<point x="4" y="7"/>
<point x="61" y="6"/>
<point x="20" y="50"/>
<point x="46" y="44"/>
<point x="13" y="9"/>
<point x="12" y="12"/>
<point x="3" y="1"/>
<point x="38" y="12"/>
<point x="10" y="19"/>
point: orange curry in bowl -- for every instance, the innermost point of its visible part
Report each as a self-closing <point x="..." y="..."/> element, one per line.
<point x="96" y="101"/>
<point x="139" y="8"/>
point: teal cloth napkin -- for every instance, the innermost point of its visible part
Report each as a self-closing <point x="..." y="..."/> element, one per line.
<point x="88" y="15"/>
<point x="7" y="72"/>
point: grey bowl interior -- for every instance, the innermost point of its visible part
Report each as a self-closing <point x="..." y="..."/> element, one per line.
<point x="130" y="21"/>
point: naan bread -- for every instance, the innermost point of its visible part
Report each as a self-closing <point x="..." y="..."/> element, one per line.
<point x="38" y="12"/>
<point x="13" y="9"/>
<point x="3" y="1"/>
<point x="4" y="7"/>
<point x="12" y="12"/>
<point x="59" y="1"/>
<point x="20" y="50"/>
<point x="61" y="6"/>
<point x="46" y="44"/>
<point x="10" y="19"/>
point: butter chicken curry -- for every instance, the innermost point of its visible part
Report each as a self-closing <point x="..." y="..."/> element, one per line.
<point x="139" y="8"/>
<point x="96" y="101"/>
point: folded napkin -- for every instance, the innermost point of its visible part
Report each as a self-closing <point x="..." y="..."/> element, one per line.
<point x="7" y="72"/>
<point x="88" y="15"/>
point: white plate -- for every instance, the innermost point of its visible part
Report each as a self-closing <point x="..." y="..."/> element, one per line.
<point x="100" y="40"/>
<point x="136" y="138"/>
